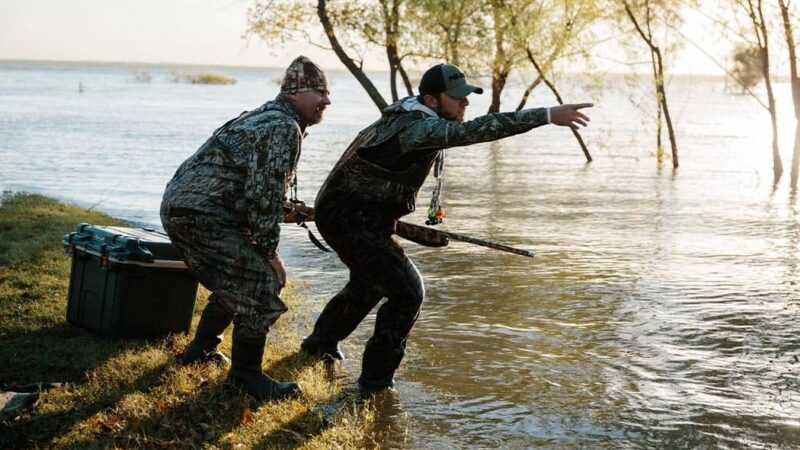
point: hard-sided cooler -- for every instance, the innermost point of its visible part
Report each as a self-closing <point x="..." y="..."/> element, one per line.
<point x="128" y="282"/>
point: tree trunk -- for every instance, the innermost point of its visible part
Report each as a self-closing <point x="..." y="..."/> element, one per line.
<point x="658" y="74"/>
<point x="794" y="79"/>
<point x="659" y="111"/>
<point x="391" y="17"/>
<point x="795" y="155"/>
<point x="663" y="100"/>
<point x="404" y="76"/>
<point x="498" y="83"/>
<point x="354" y="69"/>
<point x="560" y="102"/>
<point x="499" y="70"/>
<point x="760" y="29"/>
<point x="527" y="93"/>
<point x="777" y="164"/>
<point x="391" y="55"/>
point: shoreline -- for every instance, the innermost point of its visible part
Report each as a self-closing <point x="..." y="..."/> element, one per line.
<point x="131" y="392"/>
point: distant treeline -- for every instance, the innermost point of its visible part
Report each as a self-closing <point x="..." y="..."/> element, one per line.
<point x="143" y="76"/>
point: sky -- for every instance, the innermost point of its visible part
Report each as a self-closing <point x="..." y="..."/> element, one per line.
<point x="205" y="32"/>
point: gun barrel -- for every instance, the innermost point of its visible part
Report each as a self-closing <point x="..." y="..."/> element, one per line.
<point x="488" y="244"/>
<point x="430" y="237"/>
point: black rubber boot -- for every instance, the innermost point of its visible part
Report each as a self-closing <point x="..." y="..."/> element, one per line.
<point x="381" y="360"/>
<point x="246" y="374"/>
<point x="327" y="351"/>
<point x="339" y="319"/>
<point x="203" y="348"/>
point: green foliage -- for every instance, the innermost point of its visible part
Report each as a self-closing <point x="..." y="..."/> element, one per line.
<point x="746" y="66"/>
<point x="480" y="36"/>
<point x="281" y="20"/>
<point x="132" y="393"/>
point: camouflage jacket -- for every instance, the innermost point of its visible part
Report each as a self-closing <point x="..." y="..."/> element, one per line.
<point x="241" y="175"/>
<point x="385" y="166"/>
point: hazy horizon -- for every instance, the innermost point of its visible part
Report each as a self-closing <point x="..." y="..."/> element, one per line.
<point x="211" y="33"/>
<point x="339" y="69"/>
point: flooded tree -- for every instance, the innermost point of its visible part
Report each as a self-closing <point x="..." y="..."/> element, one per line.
<point x="647" y="17"/>
<point x="791" y="45"/>
<point x="754" y="10"/>
<point x="351" y="29"/>
<point x="504" y="52"/>
<point x="459" y="29"/>
<point x="549" y="34"/>
<point x="354" y="66"/>
<point x="746" y="69"/>
<point x="474" y="36"/>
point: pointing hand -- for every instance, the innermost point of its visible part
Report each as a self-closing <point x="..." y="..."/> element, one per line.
<point x="569" y="115"/>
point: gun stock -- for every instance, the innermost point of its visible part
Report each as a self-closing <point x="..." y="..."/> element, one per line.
<point x="429" y="237"/>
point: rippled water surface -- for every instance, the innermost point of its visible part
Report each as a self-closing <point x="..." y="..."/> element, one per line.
<point x="661" y="309"/>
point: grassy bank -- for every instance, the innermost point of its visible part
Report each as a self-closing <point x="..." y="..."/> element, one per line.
<point x="132" y="393"/>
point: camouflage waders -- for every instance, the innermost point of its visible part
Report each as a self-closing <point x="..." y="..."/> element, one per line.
<point x="224" y="260"/>
<point x="223" y="210"/>
<point x="378" y="268"/>
<point x="373" y="184"/>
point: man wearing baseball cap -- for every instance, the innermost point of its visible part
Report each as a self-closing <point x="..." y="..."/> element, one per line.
<point x="222" y="210"/>
<point x="376" y="182"/>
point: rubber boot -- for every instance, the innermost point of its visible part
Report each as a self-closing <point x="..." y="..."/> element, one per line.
<point x="339" y="319"/>
<point x="203" y="349"/>
<point x="327" y="351"/>
<point x="246" y="374"/>
<point x="381" y="359"/>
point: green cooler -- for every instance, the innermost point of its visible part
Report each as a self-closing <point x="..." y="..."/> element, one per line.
<point x="128" y="282"/>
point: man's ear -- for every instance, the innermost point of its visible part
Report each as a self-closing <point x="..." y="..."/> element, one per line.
<point x="431" y="101"/>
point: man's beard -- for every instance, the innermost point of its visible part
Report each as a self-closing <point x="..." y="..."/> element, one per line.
<point x="315" y="118"/>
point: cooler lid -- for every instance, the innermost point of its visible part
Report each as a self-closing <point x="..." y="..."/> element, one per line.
<point x="123" y="243"/>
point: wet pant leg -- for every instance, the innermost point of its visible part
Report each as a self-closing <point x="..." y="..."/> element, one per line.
<point x="345" y="311"/>
<point x="395" y="319"/>
<point x="379" y="268"/>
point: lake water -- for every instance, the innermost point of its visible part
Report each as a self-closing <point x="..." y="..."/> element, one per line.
<point x="661" y="309"/>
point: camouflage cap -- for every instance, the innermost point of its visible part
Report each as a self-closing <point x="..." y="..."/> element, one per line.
<point x="302" y="75"/>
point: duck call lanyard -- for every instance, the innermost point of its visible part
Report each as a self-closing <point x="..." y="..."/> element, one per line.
<point x="435" y="210"/>
<point x="302" y="224"/>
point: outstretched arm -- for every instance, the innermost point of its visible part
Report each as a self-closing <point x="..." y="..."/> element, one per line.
<point x="441" y="133"/>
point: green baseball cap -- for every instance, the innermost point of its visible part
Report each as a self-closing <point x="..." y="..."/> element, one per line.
<point x="446" y="78"/>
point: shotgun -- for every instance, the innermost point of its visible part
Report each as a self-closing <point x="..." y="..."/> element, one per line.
<point x="298" y="212"/>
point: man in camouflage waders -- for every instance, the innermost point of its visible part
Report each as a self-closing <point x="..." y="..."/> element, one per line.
<point x="222" y="210"/>
<point x="373" y="184"/>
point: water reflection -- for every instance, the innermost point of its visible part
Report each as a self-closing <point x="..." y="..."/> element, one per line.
<point x="661" y="309"/>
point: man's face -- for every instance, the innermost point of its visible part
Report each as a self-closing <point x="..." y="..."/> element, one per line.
<point x="450" y="108"/>
<point x="310" y="105"/>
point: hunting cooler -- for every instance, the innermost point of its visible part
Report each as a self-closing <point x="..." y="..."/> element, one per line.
<point x="128" y="282"/>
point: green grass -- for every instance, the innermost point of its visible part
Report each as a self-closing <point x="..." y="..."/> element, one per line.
<point x="131" y="393"/>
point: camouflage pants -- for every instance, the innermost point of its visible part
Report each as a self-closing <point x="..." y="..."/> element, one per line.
<point x="378" y="268"/>
<point x="223" y="260"/>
